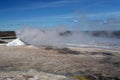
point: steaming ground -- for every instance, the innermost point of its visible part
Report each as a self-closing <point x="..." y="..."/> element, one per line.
<point x="51" y="63"/>
<point x="62" y="38"/>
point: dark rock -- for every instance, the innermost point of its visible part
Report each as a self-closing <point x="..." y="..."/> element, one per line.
<point x="67" y="51"/>
<point x="66" y="33"/>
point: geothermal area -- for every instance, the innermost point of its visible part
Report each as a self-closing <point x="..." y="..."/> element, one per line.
<point x="32" y="54"/>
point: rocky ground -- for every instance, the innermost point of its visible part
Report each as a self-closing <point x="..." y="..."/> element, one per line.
<point x="48" y="63"/>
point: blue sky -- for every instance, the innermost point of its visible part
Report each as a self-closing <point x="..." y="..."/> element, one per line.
<point x="15" y="14"/>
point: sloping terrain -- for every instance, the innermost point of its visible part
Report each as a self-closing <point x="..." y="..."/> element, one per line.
<point x="114" y="34"/>
<point x="7" y="35"/>
<point x="111" y="34"/>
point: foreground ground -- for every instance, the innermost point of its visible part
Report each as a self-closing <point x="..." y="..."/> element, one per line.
<point x="47" y="63"/>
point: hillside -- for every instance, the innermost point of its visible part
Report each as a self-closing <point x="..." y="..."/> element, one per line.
<point x="115" y="34"/>
<point x="7" y="35"/>
<point x="110" y="34"/>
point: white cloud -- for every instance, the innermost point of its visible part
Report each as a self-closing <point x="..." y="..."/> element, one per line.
<point x="76" y="21"/>
<point x="38" y="5"/>
<point x="106" y="14"/>
<point x="50" y="4"/>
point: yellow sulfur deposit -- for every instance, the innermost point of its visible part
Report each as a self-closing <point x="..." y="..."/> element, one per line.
<point x="81" y="77"/>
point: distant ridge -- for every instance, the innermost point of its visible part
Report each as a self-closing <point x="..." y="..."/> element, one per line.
<point x="7" y="35"/>
<point x="110" y="34"/>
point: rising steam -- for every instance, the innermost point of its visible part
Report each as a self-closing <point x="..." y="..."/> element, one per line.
<point x="62" y="36"/>
<point x="55" y="37"/>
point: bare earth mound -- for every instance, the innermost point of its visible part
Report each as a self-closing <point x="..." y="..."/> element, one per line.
<point x="70" y="62"/>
